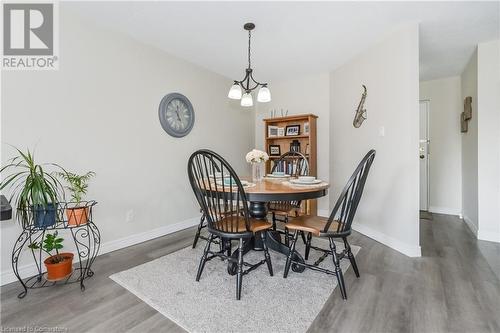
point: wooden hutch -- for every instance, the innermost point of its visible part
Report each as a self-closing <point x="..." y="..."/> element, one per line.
<point x="304" y="141"/>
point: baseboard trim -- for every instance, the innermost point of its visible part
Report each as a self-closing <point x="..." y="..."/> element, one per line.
<point x="8" y="276"/>
<point x="445" y="210"/>
<point x="490" y="236"/>
<point x="410" y="251"/>
<point x="470" y="224"/>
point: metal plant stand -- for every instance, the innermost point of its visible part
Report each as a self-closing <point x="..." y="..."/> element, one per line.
<point x="86" y="237"/>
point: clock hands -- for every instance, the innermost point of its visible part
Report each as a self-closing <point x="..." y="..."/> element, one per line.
<point x="177" y="113"/>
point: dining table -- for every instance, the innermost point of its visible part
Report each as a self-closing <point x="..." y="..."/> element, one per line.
<point x="259" y="194"/>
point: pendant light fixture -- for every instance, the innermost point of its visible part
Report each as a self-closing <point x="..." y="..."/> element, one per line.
<point x="243" y="89"/>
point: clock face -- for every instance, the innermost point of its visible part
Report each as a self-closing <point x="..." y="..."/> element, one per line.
<point x="176" y="115"/>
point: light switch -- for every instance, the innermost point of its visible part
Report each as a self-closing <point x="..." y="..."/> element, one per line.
<point x="381" y="131"/>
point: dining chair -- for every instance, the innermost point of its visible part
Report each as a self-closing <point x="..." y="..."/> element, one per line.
<point x="225" y="206"/>
<point x="295" y="164"/>
<point x="338" y="225"/>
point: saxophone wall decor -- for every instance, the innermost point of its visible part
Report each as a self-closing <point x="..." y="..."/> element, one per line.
<point x="466" y="116"/>
<point x="360" y="115"/>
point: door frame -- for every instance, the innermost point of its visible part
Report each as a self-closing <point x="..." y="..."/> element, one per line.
<point x="428" y="102"/>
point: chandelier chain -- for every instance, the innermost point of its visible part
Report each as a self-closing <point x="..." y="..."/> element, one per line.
<point x="249" y="39"/>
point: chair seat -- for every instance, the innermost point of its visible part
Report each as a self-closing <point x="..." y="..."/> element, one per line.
<point x="312" y="224"/>
<point x="237" y="224"/>
<point x="283" y="208"/>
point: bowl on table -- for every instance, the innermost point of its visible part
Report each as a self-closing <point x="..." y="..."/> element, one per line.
<point x="228" y="181"/>
<point x="278" y="173"/>
<point x="306" y="179"/>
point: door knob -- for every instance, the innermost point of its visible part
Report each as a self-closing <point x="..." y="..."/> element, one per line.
<point x="422" y="157"/>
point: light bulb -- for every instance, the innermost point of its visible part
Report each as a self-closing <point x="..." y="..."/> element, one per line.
<point x="247" y="100"/>
<point x="264" y="95"/>
<point x="234" y="92"/>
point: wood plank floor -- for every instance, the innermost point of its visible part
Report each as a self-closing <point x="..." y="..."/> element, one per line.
<point x="453" y="287"/>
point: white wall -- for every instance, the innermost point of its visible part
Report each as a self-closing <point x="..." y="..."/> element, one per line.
<point x="388" y="211"/>
<point x="469" y="148"/>
<point x="100" y="112"/>
<point x="300" y="96"/>
<point x="445" y="159"/>
<point x="488" y="140"/>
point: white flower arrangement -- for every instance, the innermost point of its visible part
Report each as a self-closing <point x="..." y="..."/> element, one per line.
<point x="257" y="156"/>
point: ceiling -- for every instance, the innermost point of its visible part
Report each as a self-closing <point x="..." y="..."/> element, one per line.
<point x="298" y="38"/>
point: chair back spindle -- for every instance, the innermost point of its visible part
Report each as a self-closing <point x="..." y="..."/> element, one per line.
<point x="347" y="203"/>
<point x="219" y="192"/>
<point x="299" y="166"/>
<point x="296" y="161"/>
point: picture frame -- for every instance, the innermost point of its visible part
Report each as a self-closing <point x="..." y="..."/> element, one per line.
<point x="274" y="150"/>
<point x="306" y="128"/>
<point x="281" y="131"/>
<point x="292" y="130"/>
<point x="272" y="131"/>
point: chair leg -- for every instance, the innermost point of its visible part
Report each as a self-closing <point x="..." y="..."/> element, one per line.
<point x="274" y="221"/>
<point x="221" y="246"/>
<point x="351" y="257"/>
<point x="200" y="226"/>
<point x="303" y="235"/>
<point x="228" y="247"/>
<point x="290" y="255"/>
<point x="203" y="259"/>
<point x="338" y="271"/>
<point x="287" y="237"/>
<point x="308" y="245"/>
<point x="239" y="274"/>
<point x="266" y="252"/>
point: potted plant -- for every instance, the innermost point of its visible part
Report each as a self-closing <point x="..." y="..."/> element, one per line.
<point x="59" y="265"/>
<point x="77" y="185"/>
<point x="33" y="190"/>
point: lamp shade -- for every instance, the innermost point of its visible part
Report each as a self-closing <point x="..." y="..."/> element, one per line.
<point x="246" y="100"/>
<point x="264" y="95"/>
<point x="234" y="92"/>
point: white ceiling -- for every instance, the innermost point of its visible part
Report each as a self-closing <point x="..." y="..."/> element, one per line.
<point x="298" y="38"/>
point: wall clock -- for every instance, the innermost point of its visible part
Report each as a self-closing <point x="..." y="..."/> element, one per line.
<point x="176" y="115"/>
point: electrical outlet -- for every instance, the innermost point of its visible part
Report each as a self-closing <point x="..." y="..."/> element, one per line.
<point x="129" y="217"/>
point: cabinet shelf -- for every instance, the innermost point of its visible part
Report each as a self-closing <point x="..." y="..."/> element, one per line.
<point x="307" y="143"/>
<point x="289" y="137"/>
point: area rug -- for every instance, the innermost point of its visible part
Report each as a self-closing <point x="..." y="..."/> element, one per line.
<point x="268" y="304"/>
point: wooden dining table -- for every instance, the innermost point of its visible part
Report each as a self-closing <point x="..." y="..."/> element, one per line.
<point x="259" y="194"/>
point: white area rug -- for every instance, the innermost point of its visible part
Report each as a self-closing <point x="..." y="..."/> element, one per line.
<point x="268" y="304"/>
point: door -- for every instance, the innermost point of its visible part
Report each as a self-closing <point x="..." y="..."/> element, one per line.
<point x="423" y="155"/>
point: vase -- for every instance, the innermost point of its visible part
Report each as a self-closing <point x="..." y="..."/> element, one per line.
<point x="257" y="174"/>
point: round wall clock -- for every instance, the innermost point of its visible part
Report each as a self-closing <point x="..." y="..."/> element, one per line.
<point x="176" y="115"/>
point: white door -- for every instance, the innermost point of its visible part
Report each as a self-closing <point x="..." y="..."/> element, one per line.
<point x="423" y="155"/>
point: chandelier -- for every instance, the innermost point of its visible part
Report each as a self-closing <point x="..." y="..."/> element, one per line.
<point x="248" y="84"/>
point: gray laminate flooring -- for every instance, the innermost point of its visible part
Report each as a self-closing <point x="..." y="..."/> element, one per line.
<point x="453" y="287"/>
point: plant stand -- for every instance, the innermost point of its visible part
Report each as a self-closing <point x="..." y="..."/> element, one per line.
<point x="86" y="238"/>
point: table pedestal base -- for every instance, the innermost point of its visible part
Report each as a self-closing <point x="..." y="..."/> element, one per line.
<point x="258" y="210"/>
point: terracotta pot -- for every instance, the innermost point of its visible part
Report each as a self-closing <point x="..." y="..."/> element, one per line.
<point x="77" y="215"/>
<point x="60" y="270"/>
